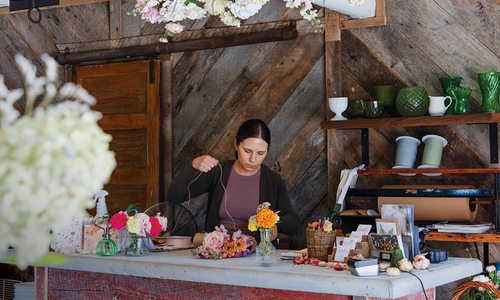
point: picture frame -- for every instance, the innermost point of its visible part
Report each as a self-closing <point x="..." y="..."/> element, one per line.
<point x="388" y="226"/>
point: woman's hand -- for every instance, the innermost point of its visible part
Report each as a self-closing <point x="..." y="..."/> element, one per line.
<point x="204" y="163"/>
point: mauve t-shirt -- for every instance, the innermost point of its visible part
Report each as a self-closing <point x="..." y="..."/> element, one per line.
<point x="241" y="202"/>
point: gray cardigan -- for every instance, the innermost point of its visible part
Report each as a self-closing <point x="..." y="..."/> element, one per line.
<point x="272" y="189"/>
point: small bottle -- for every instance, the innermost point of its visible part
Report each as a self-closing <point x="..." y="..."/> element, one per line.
<point x="106" y="246"/>
<point x="100" y="197"/>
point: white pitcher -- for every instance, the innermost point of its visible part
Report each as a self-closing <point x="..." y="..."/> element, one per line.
<point x="437" y="106"/>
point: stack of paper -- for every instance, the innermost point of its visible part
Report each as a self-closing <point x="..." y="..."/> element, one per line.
<point x="462" y="228"/>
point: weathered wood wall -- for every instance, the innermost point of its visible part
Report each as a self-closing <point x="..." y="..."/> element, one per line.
<point x="283" y="83"/>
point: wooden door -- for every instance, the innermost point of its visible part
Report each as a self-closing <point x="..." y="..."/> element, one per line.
<point x="127" y="95"/>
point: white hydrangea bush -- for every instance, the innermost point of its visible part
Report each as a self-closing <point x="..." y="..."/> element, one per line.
<point x="53" y="158"/>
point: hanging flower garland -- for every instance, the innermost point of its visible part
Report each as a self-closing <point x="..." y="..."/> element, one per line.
<point x="230" y="12"/>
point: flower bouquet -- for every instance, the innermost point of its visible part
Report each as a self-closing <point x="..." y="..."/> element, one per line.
<point x="264" y="221"/>
<point x="219" y="244"/>
<point x="481" y="286"/>
<point x="54" y="158"/>
<point x="139" y="226"/>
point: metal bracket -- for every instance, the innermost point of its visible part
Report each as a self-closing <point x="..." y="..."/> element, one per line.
<point x="365" y="147"/>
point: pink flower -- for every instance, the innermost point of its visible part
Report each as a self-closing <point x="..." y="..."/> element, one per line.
<point x="144" y="223"/>
<point x="420" y="262"/>
<point x="156" y="227"/>
<point x="119" y="220"/>
<point x="213" y="241"/>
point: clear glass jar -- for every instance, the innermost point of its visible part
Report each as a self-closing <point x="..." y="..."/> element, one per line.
<point x="265" y="252"/>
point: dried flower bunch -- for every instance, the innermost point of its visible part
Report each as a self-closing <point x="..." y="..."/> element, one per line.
<point x="54" y="158"/>
<point x="219" y="244"/>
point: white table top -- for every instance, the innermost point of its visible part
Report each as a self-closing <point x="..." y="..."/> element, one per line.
<point x="181" y="265"/>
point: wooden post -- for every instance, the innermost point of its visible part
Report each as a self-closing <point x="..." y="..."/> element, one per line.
<point x="115" y="19"/>
<point x="166" y="136"/>
<point x="333" y="88"/>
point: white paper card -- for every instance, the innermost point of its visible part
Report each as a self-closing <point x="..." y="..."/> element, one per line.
<point x="341" y="253"/>
<point x="349" y="242"/>
<point x="356" y="235"/>
<point x="364" y="228"/>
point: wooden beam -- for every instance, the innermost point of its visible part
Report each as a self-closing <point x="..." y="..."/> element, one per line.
<point x="115" y="19"/>
<point x="380" y="18"/>
<point x="333" y="88"/>
<point x="62" y="3"/>
<point x="303" y="27"/>
<point x="283" y="33"/>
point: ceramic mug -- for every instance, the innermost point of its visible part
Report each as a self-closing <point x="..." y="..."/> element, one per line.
<point x="438" y="106"/>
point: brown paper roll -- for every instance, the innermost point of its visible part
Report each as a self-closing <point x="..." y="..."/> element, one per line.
<point x="451" y="209"/>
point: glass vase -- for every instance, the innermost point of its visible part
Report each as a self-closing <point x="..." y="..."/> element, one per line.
<point x="489" y="83"/>
<point x="448" y="84"/>
<point x="461" y="100"/>
<point x="137" y="246"/>
<point x="265" y="252"/>
<point x="106" y="246"/>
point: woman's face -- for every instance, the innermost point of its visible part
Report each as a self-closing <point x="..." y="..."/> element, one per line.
<point x="251" y="154"/>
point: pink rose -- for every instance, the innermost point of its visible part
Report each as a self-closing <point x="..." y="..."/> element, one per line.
<point x="420" y="262"/>
<point x="213" y="240"/>
<point x="119" y="220"/>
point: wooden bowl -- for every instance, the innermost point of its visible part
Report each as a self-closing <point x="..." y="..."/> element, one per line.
<point x="179" y="242"/>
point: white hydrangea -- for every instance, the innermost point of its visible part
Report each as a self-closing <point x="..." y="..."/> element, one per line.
<point x="244" y="9"/>
<point x="229" y="11"/>
<point x="54" y="158"/>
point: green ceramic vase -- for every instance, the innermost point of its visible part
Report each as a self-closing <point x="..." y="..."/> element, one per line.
<point x="489" y="84"/>
<point x="412" y="101"/>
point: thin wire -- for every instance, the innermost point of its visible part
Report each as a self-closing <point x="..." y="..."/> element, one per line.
<point x="189" y="198"/>
<point x="422" y="284"/>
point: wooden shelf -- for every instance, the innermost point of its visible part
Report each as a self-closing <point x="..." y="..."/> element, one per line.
<point x="463" y="237"/>
<point x="413" y="121"/>
<point x="476" y="193"/>
<point x="430" y="171"/>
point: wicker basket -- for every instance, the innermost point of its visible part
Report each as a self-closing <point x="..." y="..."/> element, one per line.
<point x="319" y="243"/>
<point x="474" y="284"/>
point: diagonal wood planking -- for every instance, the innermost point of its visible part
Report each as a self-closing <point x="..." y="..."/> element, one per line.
<point x="476" y="17"/>
<point x="229" y="105"/>
<point x="280" y="84"/>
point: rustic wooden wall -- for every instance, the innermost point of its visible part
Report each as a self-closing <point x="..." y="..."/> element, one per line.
<point x="283" y="83"/>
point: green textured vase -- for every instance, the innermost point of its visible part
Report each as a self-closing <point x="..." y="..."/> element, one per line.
<point x="461" y="100"/>
<point x="412" y="101"/>
<point x="489" y="83"/>
<point x="448" y="84"/>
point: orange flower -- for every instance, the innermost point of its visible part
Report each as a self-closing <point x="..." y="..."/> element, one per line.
<point x="240" y="245"/>
<point x="266" y="218"/>
<point x="229" y="248"/>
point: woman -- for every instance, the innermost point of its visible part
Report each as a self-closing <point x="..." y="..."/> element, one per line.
<point x="234" y="195"/>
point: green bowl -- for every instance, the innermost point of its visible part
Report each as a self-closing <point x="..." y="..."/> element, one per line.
<point x="412" y="101"/>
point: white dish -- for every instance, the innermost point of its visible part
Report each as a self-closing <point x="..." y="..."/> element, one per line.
<point x="403" y="168"/>
<point x="429" y="167"/>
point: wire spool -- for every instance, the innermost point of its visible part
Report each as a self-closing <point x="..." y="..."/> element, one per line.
<point x="433" y="152"/>
<point x="406" y="153"/>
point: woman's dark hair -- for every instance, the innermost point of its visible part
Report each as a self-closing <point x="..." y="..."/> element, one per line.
<point x="253" y="128"/>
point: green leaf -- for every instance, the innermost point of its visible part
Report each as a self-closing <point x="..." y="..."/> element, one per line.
<point x="48" y="259"/>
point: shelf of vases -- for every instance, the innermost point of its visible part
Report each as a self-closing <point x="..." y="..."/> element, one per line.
<point x="413" y="121"/>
